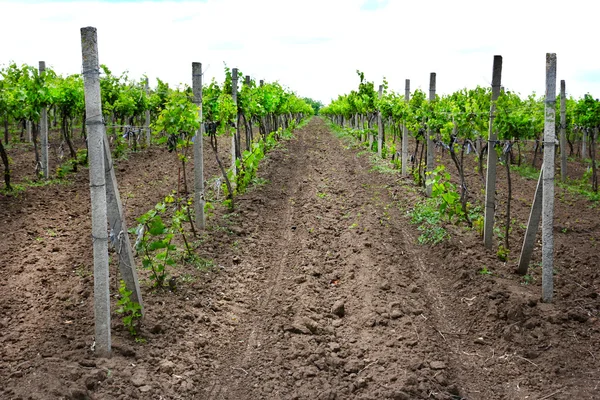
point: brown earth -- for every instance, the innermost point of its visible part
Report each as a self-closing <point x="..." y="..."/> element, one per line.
<point x="318" y="291"/>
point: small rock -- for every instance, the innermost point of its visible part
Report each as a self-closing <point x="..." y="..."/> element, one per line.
<point x="385" y="285"/>
<point x="354" y="366"/>
<point x="299" y="279"/>
<point x="338" y="308"/>
<point x="395" y="314"/>
<point x="337" y="323"/>
<point x="335" y="347"/>
<point x="297" y="328"/>
<point x="145" y="388"/>
<point x="437" y="365"/>
<point x="479" y="340"/>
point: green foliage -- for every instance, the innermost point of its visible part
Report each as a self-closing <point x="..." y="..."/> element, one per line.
<point x="502" y="253"/>
<point x="178" y="120"/>
<point x="315" y="104"/>
<point x="484" y="271"/>
<point x="427" y="215"/>
<point x="130" y="310"/>
<point x="445" y="191"/>
<point x="154" y="243"/>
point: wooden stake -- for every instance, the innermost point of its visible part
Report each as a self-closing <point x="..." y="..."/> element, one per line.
<point x="490" y="182"/>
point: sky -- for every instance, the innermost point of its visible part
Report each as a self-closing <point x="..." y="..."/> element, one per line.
<point x="314" y="47"/>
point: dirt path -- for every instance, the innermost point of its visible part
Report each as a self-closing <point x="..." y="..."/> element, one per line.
<point x="334" y="304"/>
<point x="318" y="291"/>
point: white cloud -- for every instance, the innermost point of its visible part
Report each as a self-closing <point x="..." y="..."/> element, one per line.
<point x="315" y="46"/>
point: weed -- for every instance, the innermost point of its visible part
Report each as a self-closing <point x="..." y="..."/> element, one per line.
<point x="502" y="253"/>
<point x="130" y="310"/>
<point x="484" y="271"/>
<point x="528" y="279"/>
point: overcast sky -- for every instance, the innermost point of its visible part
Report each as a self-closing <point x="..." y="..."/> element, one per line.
<point x="314" y="47"/>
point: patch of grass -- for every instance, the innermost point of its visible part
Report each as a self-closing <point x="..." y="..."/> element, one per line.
<point x="426" y="214"/>
<point x="526" y="171"/>
<point x="201" y="264"/>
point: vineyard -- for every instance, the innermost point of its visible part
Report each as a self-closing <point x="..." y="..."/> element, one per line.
<point x="230" y="239"/>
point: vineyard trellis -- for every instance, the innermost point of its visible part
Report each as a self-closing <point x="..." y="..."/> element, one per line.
<point x="491" y="123"/>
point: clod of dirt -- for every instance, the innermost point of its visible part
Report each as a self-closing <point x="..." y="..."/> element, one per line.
<point x="338" y="308"/>
<point x="166" y="366"/>
<point x="79" y="394"/>
<point x="145" y="388"/>
<point x="88" y="363"/>
<point x="400" y="395"/>
<point x="437" y="365"/>
<point x="335" y="347"/>
<point x="94" y="378"/>
<point x="236" y="259"/>
<point x="139" y="377"/>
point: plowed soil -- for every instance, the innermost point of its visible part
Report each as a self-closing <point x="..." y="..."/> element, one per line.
<point x="317" y="290"/>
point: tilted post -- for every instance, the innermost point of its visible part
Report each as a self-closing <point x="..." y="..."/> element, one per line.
<point x="405" y="133"/>
<point x="95" y="128"/>
<point x="118" y="228"/>
<point x="548" y="180"/>
<point x="430" y="160"/>
<point x="532" y="227"/>
<point x="490" y="182"/>
<point x="198" y="149"/>
<point x="44" y="132"/>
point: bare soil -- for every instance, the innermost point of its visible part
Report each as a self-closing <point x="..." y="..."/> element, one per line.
<point x="319" y="290"/>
